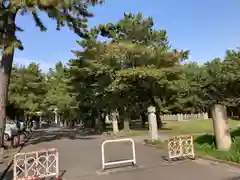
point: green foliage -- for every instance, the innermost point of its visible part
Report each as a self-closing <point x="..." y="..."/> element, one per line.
<point x="205" y="145"/>
<point x="58" y="96"/>
<point x="27" y="88"/>
<point x="136" y="65"/>
<point x="133" y="68"/>
<point x="71" y="13"/>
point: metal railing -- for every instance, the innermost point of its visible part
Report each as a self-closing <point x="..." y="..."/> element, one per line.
<point x="180" y="147"/>
<point x="36" y="165"/>
<point x="133" y="160"/>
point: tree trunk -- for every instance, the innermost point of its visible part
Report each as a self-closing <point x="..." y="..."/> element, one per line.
<point x="102" y="119"/>
<point x="159" y="121"/>
<point x="126" y="125"/>
<point x="99" y="125"/>
<point x="143" y="118"/>
<point x="126" y="120"/>
<point x="5" y="71"/>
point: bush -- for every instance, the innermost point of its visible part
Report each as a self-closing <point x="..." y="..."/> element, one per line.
<point x="206" y="145"/>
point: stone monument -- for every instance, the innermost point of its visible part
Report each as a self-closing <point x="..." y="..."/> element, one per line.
<point x="152" y="121"/>
<point x="221" y="129"/>
<point x="115" y="122"/>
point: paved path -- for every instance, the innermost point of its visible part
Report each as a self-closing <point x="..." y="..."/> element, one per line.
<point x="81" y="158"/>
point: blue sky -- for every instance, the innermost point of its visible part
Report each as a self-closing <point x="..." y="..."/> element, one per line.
<point x="206" y="27"/>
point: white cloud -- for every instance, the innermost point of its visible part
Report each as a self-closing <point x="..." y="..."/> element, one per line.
<point x="44" y="65"/>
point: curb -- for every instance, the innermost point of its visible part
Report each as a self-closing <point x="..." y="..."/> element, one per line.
<point x="11" y="161"/>
<point x="219" y="161"/>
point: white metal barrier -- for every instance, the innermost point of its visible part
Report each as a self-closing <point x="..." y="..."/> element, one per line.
<point x="133" y="160"/>
<point x="36" y="165"/>
<point x="180" y="147"/>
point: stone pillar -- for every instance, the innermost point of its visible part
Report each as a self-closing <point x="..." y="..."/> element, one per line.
<point x="179" y="117"/>
<point x="220" y="125"/>
<point x="115" y="122"/>
<point x="205" y="115"/>
<point x="107" y="121"/>
<point x="55" y="116"/>
<point x="56" y="119"/>
<point x="40" y="121"/>
<point x="199" y="116"/>
<point x="60" y="121"/>
<point x="152" y="121"/>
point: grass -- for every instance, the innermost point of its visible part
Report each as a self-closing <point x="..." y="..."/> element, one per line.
<point x="184" y="127"/>
<point x="204" y="141"/>
<point x="205" y="145"/>
<point x="192" y="127"/>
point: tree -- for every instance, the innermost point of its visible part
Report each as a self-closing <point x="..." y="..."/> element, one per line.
<point x="189" y="98"/>
<point x="16" y="91"/>
<point x="231" y="75"/>
<point x="70" y="13"/>
<point x="146" y="59"/>
<point x="58" y="96"/>
<point x="89" y="78"/>
<point x="27" y="89"/>
<point x="141" y="66"/>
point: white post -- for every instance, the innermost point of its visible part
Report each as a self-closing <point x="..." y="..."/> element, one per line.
<point x="114" y="117"/>
<point x="56" y="116"/>
<point x="60" y="121"/>
<point x="152" y="119"/>
<point x="178" y="117"/>
<point x="181" y="117"/>
<point x="107" y="120"/>
<point x="205" y="115"/>
<point x="40" y="121"/>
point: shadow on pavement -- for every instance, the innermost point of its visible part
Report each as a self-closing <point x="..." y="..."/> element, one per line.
<point x="46" y="135"/>
<point x="9" y="175"/>
<point x="235" y="178"/>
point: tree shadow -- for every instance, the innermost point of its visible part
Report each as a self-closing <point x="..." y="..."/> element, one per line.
<point x="234" y="118"/>
<point x="206" y="139"/>
<point x="234" y="178"/>
<point x="46" y="135"/>
<point x="210" y="139"/>
<point x="138" y="126"/>
<point x="235" y="133"/>
<point x="9" y="175"/>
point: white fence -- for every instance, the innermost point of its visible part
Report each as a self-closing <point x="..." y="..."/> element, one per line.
<point x="180" y="147"/>
<point x="36" y="165"/>
<point x="182" y="117"/>
<point x="133" y="160"/>
<point x="173" y="117"/>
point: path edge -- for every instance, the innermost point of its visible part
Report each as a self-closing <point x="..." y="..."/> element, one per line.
<point x="219" y="161"/>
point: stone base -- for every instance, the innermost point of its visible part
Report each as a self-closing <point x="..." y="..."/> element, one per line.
<point x="21" y="139"/>
<point x="15" y="141"/>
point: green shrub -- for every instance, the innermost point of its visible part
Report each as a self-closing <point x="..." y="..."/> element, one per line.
<point x="206" y="145"/>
